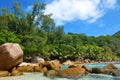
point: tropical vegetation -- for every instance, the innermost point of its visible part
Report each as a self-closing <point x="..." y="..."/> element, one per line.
<point x="38" y="34"/>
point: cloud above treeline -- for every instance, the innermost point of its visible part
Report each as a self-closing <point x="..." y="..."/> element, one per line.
<point x="85" y="10"/>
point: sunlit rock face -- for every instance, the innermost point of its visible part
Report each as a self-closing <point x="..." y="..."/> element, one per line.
<point x="4" y="73"/>
<point x="110" y="67"/>
<point x="71" y="72"/>
<point x="11" y="55"/>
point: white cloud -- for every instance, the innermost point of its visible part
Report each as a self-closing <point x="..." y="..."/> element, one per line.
<point x="86" y="10"/>
<point x="29" y="8"/>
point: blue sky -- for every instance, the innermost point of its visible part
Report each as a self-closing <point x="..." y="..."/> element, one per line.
<point x="92" y="17"/>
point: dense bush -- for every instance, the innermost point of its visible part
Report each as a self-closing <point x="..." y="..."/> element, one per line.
<point x="8" y="36"/>
<point x="40" y="36"/>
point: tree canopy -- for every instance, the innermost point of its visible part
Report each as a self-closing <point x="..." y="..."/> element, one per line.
<point x="38" y="35"/>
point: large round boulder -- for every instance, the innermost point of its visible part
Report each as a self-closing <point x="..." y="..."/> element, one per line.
<point x="11" y="55"/>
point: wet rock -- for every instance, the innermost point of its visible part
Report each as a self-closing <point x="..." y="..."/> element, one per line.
<point x="16" y="73"/>
<point x="55" y="64"/>
<point x="71" y="72"/>
<point x="108" y="72"/>
<point x="115" y="73"/>
<point x="4" y="73"/>
<point x="28" y="68"/>
<point x="48" y="65"/>
<point x="110" y="67"/>
<point x="79" y="65"/>
<point x="44" y="69"/>
<point x="97" y="70"/>
<point x="50" y="73"/>
<point x="52" y="65"/>
<point x="87" y="68"/>
<point x="21" y="68"/>
<point x="37" y="69"/>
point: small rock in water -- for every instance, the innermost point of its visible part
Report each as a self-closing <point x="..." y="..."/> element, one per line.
<point x="87" y="68"/>
<point x="97" y="70"/>
<point x="116" y="73"/>
<point x="50" y="73"/>
<point x="110" y="67"/>
<point x="4" y="73"/>
<point x="16" y="73"/>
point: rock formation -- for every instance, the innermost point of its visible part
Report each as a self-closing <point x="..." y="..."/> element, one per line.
<point x="11" y="55"/>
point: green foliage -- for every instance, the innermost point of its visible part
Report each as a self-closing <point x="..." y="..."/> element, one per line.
<point x="8" y="36"/>
<point x="89" y="51"/>
<point x="38" y="35"/>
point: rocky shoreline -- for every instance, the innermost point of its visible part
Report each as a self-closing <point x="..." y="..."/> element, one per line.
<point x="11" y="64"/>
<point x="53" y="69"/>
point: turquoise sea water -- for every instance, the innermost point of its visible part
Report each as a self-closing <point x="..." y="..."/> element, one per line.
<point x="39" y="76"/>
<point x="64" y="66"/>
<point x="100" y="65"/>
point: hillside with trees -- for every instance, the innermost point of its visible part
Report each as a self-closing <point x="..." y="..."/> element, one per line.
<point x="38" y="35"/>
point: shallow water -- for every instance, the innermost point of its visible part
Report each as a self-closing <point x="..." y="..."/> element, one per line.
<point x="39" y="76"/>
<point x="100" y="65"/>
